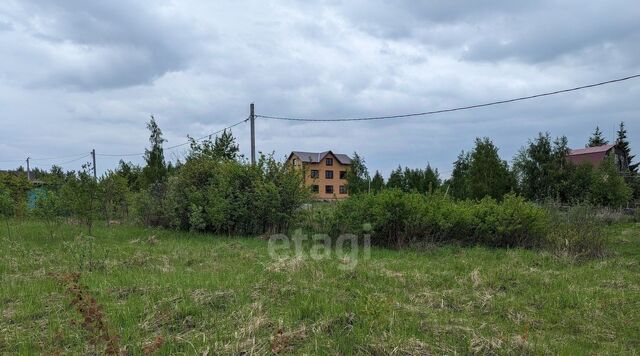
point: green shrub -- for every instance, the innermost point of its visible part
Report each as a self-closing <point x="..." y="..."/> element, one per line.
<point x="48" y="208"/>
<point x="226" y="196"/>
<point x="6" y="208"/>
<point x="398" y="219"/>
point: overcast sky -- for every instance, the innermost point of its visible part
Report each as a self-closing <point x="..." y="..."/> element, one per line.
<point x="77" y="75"/>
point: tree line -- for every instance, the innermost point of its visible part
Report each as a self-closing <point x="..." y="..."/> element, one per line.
<point x="540" y="171"/>
<point x="214" y="189"/>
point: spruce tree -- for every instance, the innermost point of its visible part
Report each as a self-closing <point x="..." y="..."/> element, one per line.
<point x="377" y="183"/>
<point x="623" y="144"/>
<point x="597" y="139"/>
<point x="432" y="179"/>
<point x="225" y="146"/>
<point x="396" y="179"/>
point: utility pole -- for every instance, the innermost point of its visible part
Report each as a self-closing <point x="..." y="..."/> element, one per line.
<point x="93" y="156"/>
<point x="28" y="169"/>
<point x="252" y="117"/>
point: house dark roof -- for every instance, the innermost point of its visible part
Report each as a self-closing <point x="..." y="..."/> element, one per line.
<point x="315" y="157"/>
<point x="593" y="155"/>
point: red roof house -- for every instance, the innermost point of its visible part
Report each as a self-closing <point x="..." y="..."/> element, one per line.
<point x="595" y="155"/>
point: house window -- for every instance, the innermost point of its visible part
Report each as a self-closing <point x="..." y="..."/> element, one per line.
<point x="295" y="162"/>
<point x="328" y="189"/>
<point x="315" y="188"/>
<point x="328" y="161"/>
<point x="343" y="174"/>
<point x="343" y="189"/>
<point x="328" y="174"/>
<point x="315" y="173"/>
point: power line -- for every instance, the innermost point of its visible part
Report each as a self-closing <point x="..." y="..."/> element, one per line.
<point x="452" y="109"/>
<point x="175" y="146"/>
<point x="74" y="160"/>
<point x="57" y="158"/>
<point x="43" y="158"/>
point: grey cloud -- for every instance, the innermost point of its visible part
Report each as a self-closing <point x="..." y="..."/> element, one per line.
<point x="114" y="43"/>
<point x="91" y="73"/>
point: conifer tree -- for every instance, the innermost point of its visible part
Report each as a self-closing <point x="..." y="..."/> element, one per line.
<point x="623" y="144"/>
<point x="597" y="139"/>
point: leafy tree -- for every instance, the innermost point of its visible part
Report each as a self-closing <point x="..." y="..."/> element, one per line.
<point x="459" y="182"/>
<point x="114" y="194"/>
<point x="156" y="169"/>
<point x="358" y="175"/>
<point x="597" y="139"/>
<point x="48" y="207"/>
<point x="623" y="143"/>
<point x="415" y="180"/>
<point x="540" y="168"/>
<point x="488" y="175"/>
<point x="6" y="208"/>
<point x="377" y="183"/>
<point x="132" y="173"/>
<point x="80" y="195"/>
<point x="17" y="186"/>
<point x="608" y="188"/>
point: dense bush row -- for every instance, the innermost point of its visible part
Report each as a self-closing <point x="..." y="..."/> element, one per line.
<point x="224" y="196"/>
<point x="397" y="218"/>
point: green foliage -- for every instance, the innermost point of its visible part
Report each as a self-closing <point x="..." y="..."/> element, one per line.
<point x="623" y="144"/>
<point x="541" y="168"/>
<point x="597" y="139"/>
<point x="398" y="218"/>
<point x="114" y="196"/>
<point x="415" y="180"/>
<point x="608" y="188"/>
<point x="132" y="173"/>
<point x="481" y="173"/>
<point x="6" y="208"/>
<point x="148" y="205"/>
<point x="17" y="187"/>
<point x="156" y="169"/>
<point x="216" y="194"/>
<point x="6" y="204"/>
<point x="49" y="208"/>
<point x="223" y="148"/>
<point x="80" y="194"/>
<point x="357" y="176"/>
<point x="377" y="183"/>
<point x="459" y="184"/>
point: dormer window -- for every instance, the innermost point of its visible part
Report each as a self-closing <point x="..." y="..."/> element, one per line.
<point x="328" y="161"/>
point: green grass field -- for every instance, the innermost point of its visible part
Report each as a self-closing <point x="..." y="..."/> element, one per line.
<point x="190" y="293"/>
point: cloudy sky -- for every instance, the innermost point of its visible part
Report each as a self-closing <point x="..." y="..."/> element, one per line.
<point x="77" y="75"/>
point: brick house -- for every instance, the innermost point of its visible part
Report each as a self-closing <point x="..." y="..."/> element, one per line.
<point x="595" y="155"/>
<point x="324" y="172"/>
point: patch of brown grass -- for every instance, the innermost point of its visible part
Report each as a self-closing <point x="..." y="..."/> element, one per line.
<point x="93" y="319"/>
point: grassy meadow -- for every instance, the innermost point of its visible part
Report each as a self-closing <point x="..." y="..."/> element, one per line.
<point x="143" y="290"/>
